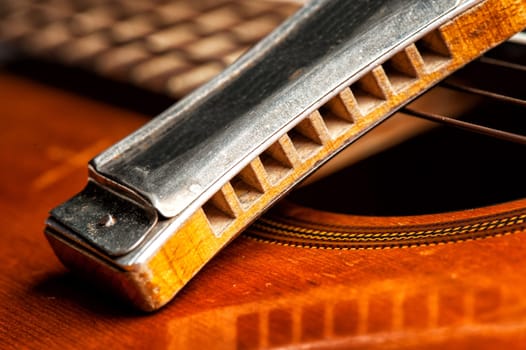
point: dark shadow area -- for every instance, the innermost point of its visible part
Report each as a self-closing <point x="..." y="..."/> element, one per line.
<point x="88" y="84"/>
<point x="72" y="290"/>
<point x="443" y="170"/>
<point x="511" y="52"/>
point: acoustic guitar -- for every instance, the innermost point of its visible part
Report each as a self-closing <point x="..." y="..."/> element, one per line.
<point x="417" y="245"/>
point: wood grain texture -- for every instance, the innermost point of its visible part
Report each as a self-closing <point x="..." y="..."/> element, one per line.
<point x="166" y="271"/>
<point x="252" y="295"/>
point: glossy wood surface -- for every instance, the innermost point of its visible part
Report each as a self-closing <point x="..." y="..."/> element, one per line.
<point x="157" y="276"/>
<point x="252" y="295"/>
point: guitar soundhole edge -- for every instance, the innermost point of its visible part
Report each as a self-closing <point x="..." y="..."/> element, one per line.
<point x="441" y="171"/>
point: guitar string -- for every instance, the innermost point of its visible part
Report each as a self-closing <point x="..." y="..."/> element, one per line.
<point x="496" y="133"/>
<point x="485" y="93"/>
<point x="296" y="232"/>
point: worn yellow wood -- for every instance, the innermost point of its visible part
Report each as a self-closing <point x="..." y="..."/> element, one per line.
<point x="344" y="105"/>
<point x="314" y="128"/>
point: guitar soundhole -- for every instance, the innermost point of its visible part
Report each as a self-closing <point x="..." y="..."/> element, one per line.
<point x="439" y="171"/>
<point x="442" y="170"/>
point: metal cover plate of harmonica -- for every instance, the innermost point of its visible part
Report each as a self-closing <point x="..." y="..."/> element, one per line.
<point x="208" y="166"/>
<point x="211" y="136"/>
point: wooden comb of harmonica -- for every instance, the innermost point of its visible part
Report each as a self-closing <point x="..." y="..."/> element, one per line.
<point x="163" y="201"/>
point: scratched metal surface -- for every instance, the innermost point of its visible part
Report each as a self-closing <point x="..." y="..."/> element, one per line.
<point x="211" y="135"/>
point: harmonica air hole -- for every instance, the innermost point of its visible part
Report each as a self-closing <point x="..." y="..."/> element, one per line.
<point x="376" y="83"/>
<point x="313" y="127"/>
<point x="305" y="147"/>
<point x="344" y="106"/>
<point x="433" y="50"/>
<point x="275" y="169"/>
<point x="335" y="125"/>
<point x="254" y="175"/>
<point x="217" y="220"/>
<point x="222" y="209"/>
<point x="401" y="71"/>
<point x="368" y="94"/>
<point x="283" y="152"/>
<point x="245" y="192"/>
<point x="226" y="201"/>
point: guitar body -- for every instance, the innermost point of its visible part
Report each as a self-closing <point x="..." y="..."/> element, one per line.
<point x="300" y="277"/>
<point x="382" y="257"/>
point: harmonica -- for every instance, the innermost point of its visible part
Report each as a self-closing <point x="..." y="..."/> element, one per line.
<point x="161" y="203"/>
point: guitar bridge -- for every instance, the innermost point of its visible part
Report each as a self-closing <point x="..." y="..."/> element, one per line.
<point x="163" y="201"/>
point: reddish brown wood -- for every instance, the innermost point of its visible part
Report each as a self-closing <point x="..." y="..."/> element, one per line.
<point x="462" y="295"/>
<point x="162" y="273"/>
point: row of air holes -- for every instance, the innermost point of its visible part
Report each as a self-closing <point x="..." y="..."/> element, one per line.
<point x="331" y="120"/>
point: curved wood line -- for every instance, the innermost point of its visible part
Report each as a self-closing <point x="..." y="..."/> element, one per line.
<point x="294" y="225"/>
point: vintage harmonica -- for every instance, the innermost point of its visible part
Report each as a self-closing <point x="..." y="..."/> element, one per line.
<point x="162" y="202"/>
